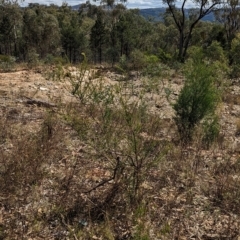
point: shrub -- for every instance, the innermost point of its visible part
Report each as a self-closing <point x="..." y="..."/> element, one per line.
<point x="123" y="64"/>
<point x="50" y="59"/>
<point x="32" y="58"/>
<point x="153" y="68"/>
<point x="235" y="57"/>
<point x="211" y="129"/>
<point x="138" y="59"/>
<point x="164" y="56"/>
<point x="197" y="99"/>
<point x="215" y="52"/>
<point x="7" y="62"/>
<point x="213" y="55"/>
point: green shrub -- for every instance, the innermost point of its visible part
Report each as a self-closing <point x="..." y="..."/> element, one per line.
<point x="123" y="63"/>
<point x="32" y="58"/>
<point x="198" y="98"/>
<point x="211" y="129"/>
<point x="213" y="54"/>
<point x="50" y="59"/>
<point x="235" y="57"/>
<point x="138" y="59"/>
<point x="7" y="62"/>
<point x="216" y="56"/>
<point x="153" y="67"/>
<point x="164" y="56"/>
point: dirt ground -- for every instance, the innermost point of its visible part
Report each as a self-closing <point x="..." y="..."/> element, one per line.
<point x="26" y="95"/>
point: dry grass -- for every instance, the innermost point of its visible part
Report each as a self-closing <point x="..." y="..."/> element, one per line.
<point x="112" y="170"/>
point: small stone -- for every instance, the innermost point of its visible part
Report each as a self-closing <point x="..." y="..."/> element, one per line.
<point x="43" y="89"/>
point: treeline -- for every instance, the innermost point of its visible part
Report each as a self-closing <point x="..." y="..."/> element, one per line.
<point x="109" y="33"/>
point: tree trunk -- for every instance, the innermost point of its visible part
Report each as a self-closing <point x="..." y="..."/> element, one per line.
<point x="181" y="46"/>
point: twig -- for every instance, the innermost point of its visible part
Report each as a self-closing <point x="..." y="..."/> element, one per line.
<point x="107" y="180"/>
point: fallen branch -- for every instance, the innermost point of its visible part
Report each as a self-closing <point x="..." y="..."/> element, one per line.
<point x="117" y="168"/>
<point x="39" y="103"/>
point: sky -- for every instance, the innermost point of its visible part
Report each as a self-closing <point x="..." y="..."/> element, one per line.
<point x="129" y="4"/>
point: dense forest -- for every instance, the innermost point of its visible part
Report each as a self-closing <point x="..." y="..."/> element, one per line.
<point x="110" y="33"/>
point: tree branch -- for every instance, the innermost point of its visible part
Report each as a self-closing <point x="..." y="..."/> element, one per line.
<point x="107" y="180"/>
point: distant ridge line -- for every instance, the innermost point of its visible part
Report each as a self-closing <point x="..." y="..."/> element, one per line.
<point x="154" y="13"/>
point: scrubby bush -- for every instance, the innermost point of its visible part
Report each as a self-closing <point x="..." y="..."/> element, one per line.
<point x="164" y="56"/>
<point x="153" y="67"/>
<point x="50" y="59"/>
<point x="198" y="98"/>
<point x="7" y="62"/>
<point x="138" y="59"/>
<point x="32" y="58"/>
<point x="235" y="57"/>
<point x="211" y="130"/>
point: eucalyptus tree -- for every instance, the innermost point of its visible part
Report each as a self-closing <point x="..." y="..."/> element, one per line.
<point x="41" y="32"/>
<point x="186" y="23"/>
<point x="168" y="34"/>
<point x="104" y="33"/>
<point x="75" y="29"/>
<point x="10" y="28"/>
<point x="98" y="37"/>
<point x="229" y="16"/>
<point x="111" y="18"/>
<point x="133" y="31"/>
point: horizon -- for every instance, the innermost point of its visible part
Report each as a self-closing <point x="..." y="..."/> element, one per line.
<point x="131" y="4"/>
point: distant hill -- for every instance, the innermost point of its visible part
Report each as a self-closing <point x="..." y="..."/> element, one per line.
<point x="75" y="7"/>
<point x="155" y="13"/>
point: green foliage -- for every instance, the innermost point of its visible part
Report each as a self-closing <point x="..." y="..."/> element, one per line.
<point x="235" y="56"/>
<point x="213" y="55"/>
<point x="197" y="99"/>
<point x="122" y="65"/>
<point x="215" y="52"/>
<point x="154" y="68"/>
<point x="117" y="125"/>
<point x="211" y="129"/>
<point x="40" y="32"/>
<point x="98" y="37"/>
<point x="218" y="59"/>
<point x="51" y="59"/>
<point x="138" y="59"/>
<point x="164" y="56"/>
<point x="7" y="62"/>
<point x="80" y="87"/>
<point x="195" y="53"/>
<point x="141" y="229"/>
<point x="186" y="23"/>
<point x="32" y="58"/>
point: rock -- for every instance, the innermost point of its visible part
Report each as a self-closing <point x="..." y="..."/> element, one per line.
<point x="43" y="89"/>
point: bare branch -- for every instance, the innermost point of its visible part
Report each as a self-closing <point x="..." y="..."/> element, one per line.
<point x="116" y="169"/>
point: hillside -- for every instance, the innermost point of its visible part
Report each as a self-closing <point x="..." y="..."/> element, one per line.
<point x="105" y="163"/>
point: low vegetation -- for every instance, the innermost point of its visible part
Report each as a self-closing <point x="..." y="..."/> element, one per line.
<point x="109" y="165"/>
<point x="107" y="133"/>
